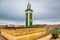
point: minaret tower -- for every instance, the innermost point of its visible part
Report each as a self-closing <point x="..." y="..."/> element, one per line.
<point x="29" y="19"/>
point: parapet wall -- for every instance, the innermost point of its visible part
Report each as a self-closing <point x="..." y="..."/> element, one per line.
<point x="23" y="34"/>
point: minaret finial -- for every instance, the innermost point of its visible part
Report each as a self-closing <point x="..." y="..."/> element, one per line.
<point x="28" y="5"/>
<point x="28" y="2"/>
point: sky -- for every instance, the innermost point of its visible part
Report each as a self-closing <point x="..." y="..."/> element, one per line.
<point x="44" y="11"/>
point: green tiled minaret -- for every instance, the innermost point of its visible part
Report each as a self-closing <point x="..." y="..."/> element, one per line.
<point x="29" y="19"/>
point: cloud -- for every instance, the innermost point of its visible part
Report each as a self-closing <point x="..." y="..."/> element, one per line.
<point x="5" y="22"/>
<point x="11" y="22"/>
<point x="44" y="22"/>
<point x="45" y="10"/>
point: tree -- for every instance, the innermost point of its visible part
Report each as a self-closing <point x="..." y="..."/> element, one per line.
<point x="55" y="33"/>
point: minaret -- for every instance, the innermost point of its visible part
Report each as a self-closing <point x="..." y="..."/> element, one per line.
<point x="29" y="19"/>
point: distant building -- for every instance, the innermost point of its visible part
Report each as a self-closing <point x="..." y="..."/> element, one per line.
<point x="29" y="19"/>
<point x="9" y="25"/>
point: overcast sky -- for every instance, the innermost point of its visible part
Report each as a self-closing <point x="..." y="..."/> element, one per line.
<point x="44" y="11"/>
